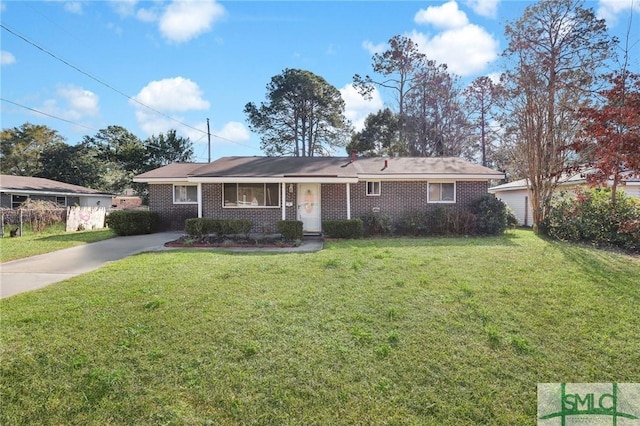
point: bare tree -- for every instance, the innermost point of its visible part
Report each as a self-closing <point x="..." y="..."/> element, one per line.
<point x="555" y="50"/>
<point x="397" y="66"/>
<point x="480" y="100"/>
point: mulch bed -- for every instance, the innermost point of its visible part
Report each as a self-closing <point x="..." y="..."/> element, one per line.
<point x="259" y="241"/>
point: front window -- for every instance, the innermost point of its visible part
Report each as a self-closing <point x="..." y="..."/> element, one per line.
<point x="442" y="192"/>
<point x="61" y="201"/>
<point x="373" y="188"/>
<point x="185" y="194"/>
<point x="251" y="195"/>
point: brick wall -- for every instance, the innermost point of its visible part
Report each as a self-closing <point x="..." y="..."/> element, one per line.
<point x="395" y="198"/>
<point x="172" y="216"/>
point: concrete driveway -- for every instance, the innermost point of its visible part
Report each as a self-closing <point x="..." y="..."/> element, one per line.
<point x="39" y="271"/>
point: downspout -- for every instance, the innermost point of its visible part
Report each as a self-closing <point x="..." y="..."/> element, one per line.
<point x="283" y="197"/>
<point x="348" y="201"/>
<point x="199" y="190"/>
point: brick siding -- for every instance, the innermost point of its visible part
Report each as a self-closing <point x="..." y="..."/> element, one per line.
<point x="172" y="216"/>
<point x="396" y="197"/>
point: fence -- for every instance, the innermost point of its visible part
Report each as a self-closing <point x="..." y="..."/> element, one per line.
<point x="75" y="218"/>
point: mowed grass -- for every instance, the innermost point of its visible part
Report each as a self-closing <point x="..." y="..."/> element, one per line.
<point x="389" y="331"/>
<point x="51" y="239"/>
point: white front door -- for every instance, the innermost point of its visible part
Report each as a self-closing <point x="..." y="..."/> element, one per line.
<point x="309" y="207"/>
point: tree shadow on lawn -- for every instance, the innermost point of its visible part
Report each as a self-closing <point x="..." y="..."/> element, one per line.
<point x="609" y="268"/>
<point x="507" y="239"/>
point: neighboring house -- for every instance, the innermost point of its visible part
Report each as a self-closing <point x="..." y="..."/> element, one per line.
<point x="14" y="190"/>
<point x="516" y="194"/>
<point x="311" y="189"/>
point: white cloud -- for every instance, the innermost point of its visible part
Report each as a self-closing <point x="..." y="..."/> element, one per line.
<point x="6" y="58"/>
<point x="72" y="103"/>
<point x="168" y="96"/>
<point x="466" y="50"/>
<point x="374" y="48"/>
<point x="357" y="108"/>
<point x="73" y="7"/>
<point x="232" y="131"/>
<point x="444" y="16"/>
<point x="124" y="8"/>
<point x="147" y="15"/>
<point x="487" y="8"/>
<point x="184" y="20"/>
<point x="610" y="9"/>
<point x="172" y="94"/>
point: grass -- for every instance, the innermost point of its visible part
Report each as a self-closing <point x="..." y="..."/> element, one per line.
<point x="51" y="239"/>
<point x="389" y="331"/>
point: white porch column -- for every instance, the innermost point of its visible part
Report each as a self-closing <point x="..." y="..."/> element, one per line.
<point x="283" y="198"/>
<point x="348" y="201"/>
<point x="199" y="190"/>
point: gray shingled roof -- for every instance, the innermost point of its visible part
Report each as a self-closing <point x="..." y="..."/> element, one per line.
<point x="321" y="167"/>
<point x="35" y="184"/>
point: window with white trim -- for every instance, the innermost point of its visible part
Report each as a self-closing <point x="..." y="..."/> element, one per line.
<point x="248" y="195"/>
<point x="61" y="201"/>
<point x="373" y="187"/>
<point x="441" y="192"/>
<point x="185" y="194"/>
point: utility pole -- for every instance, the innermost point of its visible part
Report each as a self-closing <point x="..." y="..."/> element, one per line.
<point x="209" y="138"/>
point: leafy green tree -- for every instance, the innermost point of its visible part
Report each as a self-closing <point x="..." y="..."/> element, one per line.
<point x="21" y="148"/>
<point x="303" y="115"/>
<point x="166" y="149"/>
<point x="75" y="164"/>
<point x="123" y="155"/>
<point x="555" y="50"/>
<point x="378" y="137"/>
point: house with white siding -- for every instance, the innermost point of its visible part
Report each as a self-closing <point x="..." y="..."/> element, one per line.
<point x="516" y="194"/>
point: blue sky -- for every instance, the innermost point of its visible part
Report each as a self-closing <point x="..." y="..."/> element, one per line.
<point x="151" y="66"/>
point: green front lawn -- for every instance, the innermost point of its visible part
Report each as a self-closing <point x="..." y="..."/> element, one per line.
<point x="389" y="331"/>
<point x="52" y="239"/>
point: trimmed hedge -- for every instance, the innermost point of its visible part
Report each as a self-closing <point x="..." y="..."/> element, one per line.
<point x="198" y="227"/>
<point x="291" y="230"/>
<point x="133" y="222"/>
<point x="348" y="228"/>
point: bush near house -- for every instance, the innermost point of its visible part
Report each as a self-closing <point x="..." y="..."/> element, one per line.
<point x="590" y="216"/>
<point x="347" y="228"/>
<point x="291" y="230"/>
<point x="486" y="216"/>
<point x="376" y="224"/>
<point x="199" y="227"/>
<point x="133" y="222"/>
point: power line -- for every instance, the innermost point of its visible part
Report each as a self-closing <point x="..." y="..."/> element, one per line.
<point x="53" y="55"/>
<point x="48" y="115"/>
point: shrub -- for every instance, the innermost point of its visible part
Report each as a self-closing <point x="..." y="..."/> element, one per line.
<point x="590" y="216"/>
<point x="347" y="228"/>
<point x="413" y="223"/>
<point x="199" y="227"/>
<point x="132" y="222"/>
<point x="40" y="214"/>
<point x="376" y="224"/>
<point x="291" y="230"/>
<point x="491" y="215"/>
